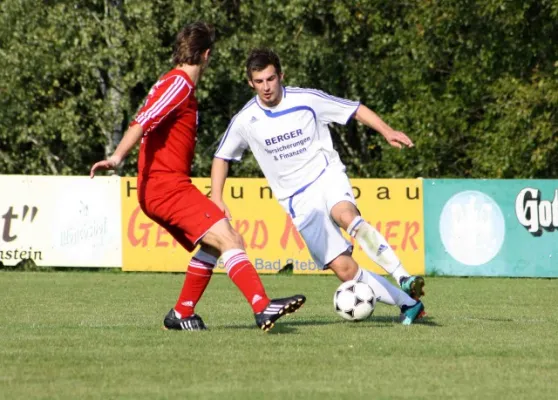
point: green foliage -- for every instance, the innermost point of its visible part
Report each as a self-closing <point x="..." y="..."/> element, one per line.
<point x="474" y="83"/>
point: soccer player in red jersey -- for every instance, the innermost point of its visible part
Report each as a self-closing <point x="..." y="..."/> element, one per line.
<point x="167" y="126"/>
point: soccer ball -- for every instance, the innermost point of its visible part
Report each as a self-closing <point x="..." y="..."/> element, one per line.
<point x="354" y="300"/>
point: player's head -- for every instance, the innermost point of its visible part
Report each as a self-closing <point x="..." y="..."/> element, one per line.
<point x="193" y="44"/>
<point x="263" y="69"/>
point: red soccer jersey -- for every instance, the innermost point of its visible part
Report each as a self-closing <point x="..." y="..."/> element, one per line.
<point x="169" y="119"/>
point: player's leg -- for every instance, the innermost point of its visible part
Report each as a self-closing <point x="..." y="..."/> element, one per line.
<point x="230" y="244"/>
<point x="330" y="249"/>
<point x="336" y="191"/>
<point x="198" y="274"/>
<point x="346" y="268"/>
<point x="191" y="218"/>
<point x="197" y="277"/>
<point x="347" y="216"/>
<point x="388" y="293"/>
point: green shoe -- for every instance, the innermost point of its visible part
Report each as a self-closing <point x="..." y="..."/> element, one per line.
<point x="413" y="286"/>
<point x="410" y="314"/>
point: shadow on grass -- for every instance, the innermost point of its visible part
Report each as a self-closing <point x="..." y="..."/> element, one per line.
<point x="281" y="327"/>
<point x="385" y="321"/>
<point x="488" y="319"/>
<point x="286" y="326"/>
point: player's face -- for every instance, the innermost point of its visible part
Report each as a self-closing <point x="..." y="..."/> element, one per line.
<point x="267" y="84"/>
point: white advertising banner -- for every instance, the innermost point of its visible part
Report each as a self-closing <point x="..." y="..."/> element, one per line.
<point x="64" y="221"/>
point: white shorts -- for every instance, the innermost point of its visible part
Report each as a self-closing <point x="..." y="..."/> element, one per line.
<point x="310" y="210"/>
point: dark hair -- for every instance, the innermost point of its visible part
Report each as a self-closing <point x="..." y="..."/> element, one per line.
<point x="260" y="59"/>
<point x="191" y="42"/>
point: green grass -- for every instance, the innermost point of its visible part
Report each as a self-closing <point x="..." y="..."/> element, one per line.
<point x="88" y="335"/>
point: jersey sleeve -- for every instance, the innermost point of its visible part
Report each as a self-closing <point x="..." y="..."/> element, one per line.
<point x="163" y="98"/>
<point x="332" y="109"/>
<point x="233" y="142"/>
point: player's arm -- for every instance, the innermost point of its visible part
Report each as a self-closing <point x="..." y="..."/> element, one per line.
<point x="371" y="119"/>
<point x="219" y="172"/>
<point x="161" y="102"/>
<point x="338" y="110"/>
<point x="130" y="139"/>
<point x="230" y="148"/>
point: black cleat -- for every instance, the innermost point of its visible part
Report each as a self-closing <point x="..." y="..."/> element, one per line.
<point x="191" y="323"/>
<point x="276" y="309"/>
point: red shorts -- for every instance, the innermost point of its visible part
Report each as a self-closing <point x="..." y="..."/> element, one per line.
<point x="179" y="207"/>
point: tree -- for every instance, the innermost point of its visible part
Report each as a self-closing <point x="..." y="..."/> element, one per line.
<point x="473" y="82"/>
<point x="70" y="80"/>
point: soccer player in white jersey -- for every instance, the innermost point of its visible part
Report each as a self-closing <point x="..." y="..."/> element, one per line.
<point x="286" y="128"/>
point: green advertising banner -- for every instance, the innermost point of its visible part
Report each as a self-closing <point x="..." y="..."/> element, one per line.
<point x="491" y="227"/>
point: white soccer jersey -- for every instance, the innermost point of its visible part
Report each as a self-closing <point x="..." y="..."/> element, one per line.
<point x="290" y="141"/>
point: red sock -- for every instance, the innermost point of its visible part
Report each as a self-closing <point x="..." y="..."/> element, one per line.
<point x="244" y="275"/>
<point x="197" y="277"/>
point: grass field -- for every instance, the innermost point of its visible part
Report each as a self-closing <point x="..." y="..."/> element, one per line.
<point x="82" y="335"/>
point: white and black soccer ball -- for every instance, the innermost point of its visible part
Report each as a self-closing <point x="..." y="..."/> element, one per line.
<point x="354" y="300"/>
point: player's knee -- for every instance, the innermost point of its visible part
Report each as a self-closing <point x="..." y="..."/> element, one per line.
<point x="231" y="239"/>
<point x="235" y="240"/>
<point x="223" y="237"/>
<point x="344" y="213"/>
<point x="344" y="267"/>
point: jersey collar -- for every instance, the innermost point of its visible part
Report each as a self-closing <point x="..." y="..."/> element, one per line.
<point x="185" y="76"/>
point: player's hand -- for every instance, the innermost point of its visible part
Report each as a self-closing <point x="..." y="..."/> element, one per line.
<point x="223" y="207"/>
<point x="398" y="139"/>
<point x="109" y="163"/>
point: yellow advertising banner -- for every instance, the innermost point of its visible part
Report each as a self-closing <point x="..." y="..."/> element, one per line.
<point x="393" y="206"/>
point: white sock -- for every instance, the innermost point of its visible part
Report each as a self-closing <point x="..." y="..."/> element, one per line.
<point x="385" y="291"/>
<point x="376" y="248"/>
<point x="231" y="257"/>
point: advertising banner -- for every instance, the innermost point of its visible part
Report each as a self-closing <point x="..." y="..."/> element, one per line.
<point x="394" y="207"/>
<point x="491" y="227"/>
<point x="60" y="221"/>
